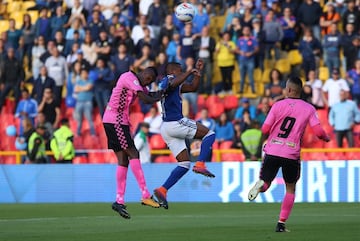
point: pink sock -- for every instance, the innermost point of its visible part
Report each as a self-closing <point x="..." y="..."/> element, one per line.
<point x="265" y="187"/>
<point x="139" y="175"/>
<point x="286" y="206"/>
<point x="121" y="173"/>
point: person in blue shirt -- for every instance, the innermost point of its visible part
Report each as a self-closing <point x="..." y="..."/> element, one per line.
<point x="343" y="116"/>
<point x="331" y="46"/>
<point x="13" y="34"/>
<point x="201" y="19"/>
<point x="42" y="25"/>
<point x="176" y="128"/>
<point x="310" y="49"/>
<point x="247" y="47"/>
<point x="353" y="77"/>
<point x="245" y="105"/>
<point x="58" y="21"/>
<point x="27" y="108"/>
<point x="224" y="129"/>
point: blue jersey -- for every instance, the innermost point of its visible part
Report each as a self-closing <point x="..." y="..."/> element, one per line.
<point x="172" y="102"/>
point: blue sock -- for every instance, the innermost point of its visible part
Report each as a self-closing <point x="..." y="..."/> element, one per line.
<point x="175" y="176"/>
<point x="206" y="147"/>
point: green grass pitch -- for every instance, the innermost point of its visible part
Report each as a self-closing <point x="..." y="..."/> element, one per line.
<point x="181" y="222"/>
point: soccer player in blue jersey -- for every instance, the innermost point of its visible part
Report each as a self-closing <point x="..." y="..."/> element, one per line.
<point x="176" y="128"/>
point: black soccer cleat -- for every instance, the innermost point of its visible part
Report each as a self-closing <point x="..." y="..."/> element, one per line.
<point x="121" y="209"/>
<point x="280" y="228"/>
<point x="161" y="198"/>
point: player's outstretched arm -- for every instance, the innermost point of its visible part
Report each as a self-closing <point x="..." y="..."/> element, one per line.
<point x="179" y="79"/>
<point x="147" y="99"/>
<point x="194" y="85"/>
<point x="320" y="133"/>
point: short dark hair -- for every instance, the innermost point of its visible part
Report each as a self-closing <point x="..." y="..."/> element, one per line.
<point x="296" y="81"/>
<point x="172" y="65"/>
<point x="64" y="121"/>
<point x="153" y="69"/>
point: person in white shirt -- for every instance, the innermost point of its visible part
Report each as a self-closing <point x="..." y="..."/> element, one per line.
<point x="142" y="144"/>
<point x="332" y="88"/>
<point x="107" y="8"/>
<point x="154" y="120"/>
<point x="316" y="85"/>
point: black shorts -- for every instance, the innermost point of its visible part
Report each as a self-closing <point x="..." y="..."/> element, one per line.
<point x="270" y="167"/>
<point x="119" y="137"/>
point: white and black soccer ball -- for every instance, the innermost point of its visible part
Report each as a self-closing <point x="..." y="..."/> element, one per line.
<point x="185" y="12"/>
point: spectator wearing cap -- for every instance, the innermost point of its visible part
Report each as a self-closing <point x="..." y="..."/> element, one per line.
<point x="103" y="84"/>
<point x="245" y="106"/>
<point x="156" y="16"/>
<point x="37" y="146"/>
<point x="274" y="35"/>
<point x="288" y="23"/>
<point x="62" y="143"/>
<point x="247" y="47"/>
<point x="95" y="25"/>
<point x="331" y="46"/>
<point x="122" y="61"/>
<point x="260" y="36"/>
<point x="142" y="143"/>
<point x="103" y="46"/>
<point x="84" y="102"/>
<point x="50" y="107"/>
<point x="351" y="15"/>
<point x="42" y="25"/>
<point x="88" y="48"/>
<point x="309" y="14"/>
<point x="58" y="21"/>
<point x="332" y="87"/>
<point x="57" y="70"/>
<point x="343" y="116"/>
<point x="84" y="64"/>
<point x="328" y="18"/>
<point x="27" y="108"/>
<point x="41" y="83"/>
<point x="310" y="49"/>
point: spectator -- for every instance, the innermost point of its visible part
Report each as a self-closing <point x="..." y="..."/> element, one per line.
<point x="62" y="143"/>
<point x="346" y="44"/>
<point x="28" y="31"/>
<point x="13" y="34"/>
<point x="123" y="37"/>
<point x="168" y="28"/>
<point x="245" y="106"/>
<point x="27" y="108"/>
<point x="332" y="44"/>
<point x="41" y="83"/>
<point x="230" y="15"/>
<point x="190" y="97"/>
<point x="96" y="25"/>
<point x="201" y="20"/>
<point x="276" y="88"/>
<point x="309" y="14"/>
<point x="237" y="136"/>
<point x="225" y="50"/>
<point x="310" y="49"/>
<point x="69" y="45"/>
<point x="37" y="50"/>
<point x="88" y="48"/>
<point x="204" y="47"/>
<point x="288" y="23"/>
<point x="20" y="51"/>
<point x="316" y="85"/>
<point x="28" y="129"/>
<point x="12" y="77"/>
<point x="171" y="50"/>
<point x="84" y="106"/>
<point x="142" y="143"/>
<point x="146" y="59"/>
<point x="42" y="25"/>
<point x="206" y="120"/>
<point x="235" y="29"/>
<point x="102" y="85"/>
<point x="161" y="63"/>
<point x="73" y="55"/>
<point x="273" y="35"/>
<point x="224" y="129"/>
<point x="351" y="15"/>
<point x="246" y="18"/>
<point x="247" y="47"/>
<point x="137" y="32"/>
<point x="332" y="88"/>
<point x="3" y="10"/>
<point x="42" y="120"/>
<point x="163" y="44"/>
<point x="50" y="108"/>
<point x="262" y="110"/>
<point x="107" y="7"/>
<point x="329" y="18"/>
<point x="103" y="46"/>
<point x="76" y="11"/>
<point x="147" y="39"/>
<point x="58" y="21"/>
<point x="57" y="70"/>
<point x="251" y="142"/>
<point x="76" y="27"/>
<point x="122" y="61"/>
<point x="260" y="35"/>
<point x="292" y="5"/>
<point x="156" y="16"/>
<point x="185" y="48"/>
<point x="154" y="120"/>
<point x="353" y="52"/>
<point x="74" y="75"/>
<point x="353" y="78"/>
<point x="343" y="116"/>
<point x="60" y="42"/>
<point x="36" y="146"/>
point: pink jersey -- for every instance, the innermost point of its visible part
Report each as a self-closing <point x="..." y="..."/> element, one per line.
<point x="123" y="95"/>
<point x="287" y="120"/>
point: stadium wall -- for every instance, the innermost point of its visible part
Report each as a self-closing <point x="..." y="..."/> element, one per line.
<point x="321" y="181"/>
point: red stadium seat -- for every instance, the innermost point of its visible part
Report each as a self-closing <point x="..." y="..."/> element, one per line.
<point x="201" y="101"/>
<point x="135" y="119"/>
<point x="157" y="142"/>
<point x="230" y="102"/>
<point x="80" y="160"/>
<point x="8" y="160"/>
<point x="211" y="100"/>
<point x="216" y="110"/>
<point x="352" y="155"/>
<point x="96" y="157"/>
<point x="336" y="156"/>
<point x="163" y="159"/>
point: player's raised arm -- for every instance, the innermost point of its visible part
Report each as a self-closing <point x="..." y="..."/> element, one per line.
<point x="147" y="99"/>
<point x="193" y="86"/>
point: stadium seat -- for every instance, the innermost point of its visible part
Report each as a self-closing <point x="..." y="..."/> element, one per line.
<point x="110" y="157"/>
<point x="96" y="157"/>
<point x="211" y="100"/>
<point x="27" y="4"/>
<point x="163" y="159"/>
<point x="18" y="16"/>
<point x="201" y="101"/>
<point x="265" y="76"/>
<point x="323" y="73"/>
<point x="4" y="25"/>
<point x="230" y="102"/>
<point x="336" y="156"/>
<point x="226" y="145"/>
<point x="294" y="57"/>
<point x="91" y="142"/>
<point x="135" y="119"/>
<point x="216" y="110"/>
<point x="283" y="65"/>
<point x="80" y="160"/>
<point x="352" y="155"/>
<point x="8" y="160"/>
<point x="34" y="15"/>
<point x="14" y="6"/>
<point x="157" y="142"/>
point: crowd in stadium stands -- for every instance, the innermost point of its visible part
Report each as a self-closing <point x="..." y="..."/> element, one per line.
<point x="62" y="58"/>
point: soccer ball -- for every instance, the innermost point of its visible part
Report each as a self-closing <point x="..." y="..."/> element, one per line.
<point x="185" y="12"/>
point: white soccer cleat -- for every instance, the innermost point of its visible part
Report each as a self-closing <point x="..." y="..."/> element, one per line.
<point x="254" y="191"/>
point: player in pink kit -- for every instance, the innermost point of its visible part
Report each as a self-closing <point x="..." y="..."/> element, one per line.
<point x="285" y="125"/>
<point x="117" y="128"/>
